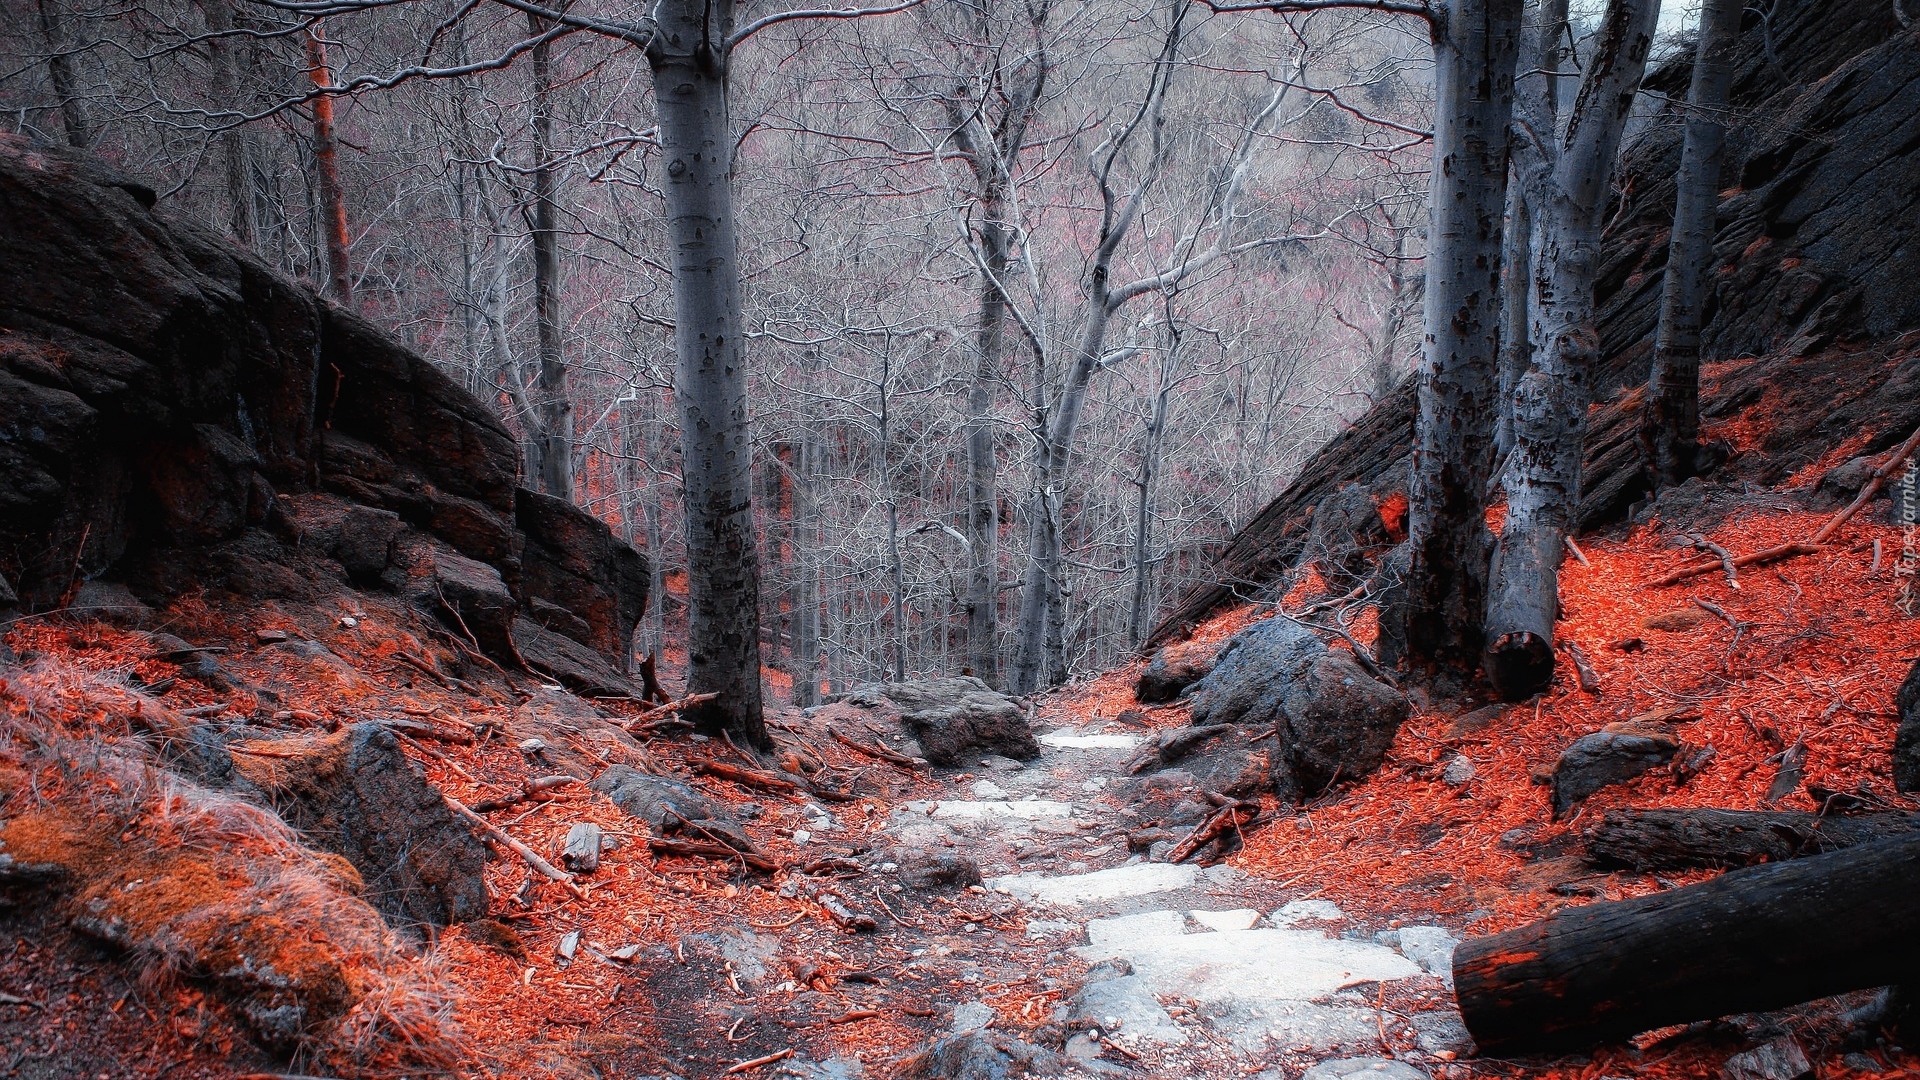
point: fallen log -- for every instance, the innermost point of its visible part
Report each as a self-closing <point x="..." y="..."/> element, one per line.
<point x="1754" y="939"/>
<point x="1649" y="840"/>
<point x="753" y="778"/>
<point x="701" y="849"/>
<point x="879" y="753"/>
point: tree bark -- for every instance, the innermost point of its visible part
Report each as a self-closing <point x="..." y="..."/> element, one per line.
<point x="1141" y="612"/>
<point x="236" y="152"/>
<point x="1750" y="940"/>
<point x="1671" y="423"/>
<point x="1648" y="840"/>
<point x="552" y="463"/>
<point x="1475" y="45"/>
<point x="326" y="165"/>
<point x="1569" y="189"/>
<point x="805" y="613"/>
<point x="689" y="60"/>
<point x="73" y="111"/>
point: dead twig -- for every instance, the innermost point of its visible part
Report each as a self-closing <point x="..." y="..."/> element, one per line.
<point x="759" y="1062"/>
<point x="531" y="857"/>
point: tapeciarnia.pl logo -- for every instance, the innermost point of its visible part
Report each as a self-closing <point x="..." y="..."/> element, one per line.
<point x="1907" y="512"/>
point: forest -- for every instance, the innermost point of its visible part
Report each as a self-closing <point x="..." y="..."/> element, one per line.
<point x="959" y="538"/>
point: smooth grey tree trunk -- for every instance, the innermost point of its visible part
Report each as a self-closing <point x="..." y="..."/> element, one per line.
<point x="552" y="437"/>
<point x="805" y="611"/>
<point x="1140" y="615"/>
<point x="1569" y="188"/>
<point x="1543" y="49"/>
<point x="1671" y="423"/>
<point x="1475" y="44"/>
<point x="992" y="150"/>
<point x="689" y="60"/>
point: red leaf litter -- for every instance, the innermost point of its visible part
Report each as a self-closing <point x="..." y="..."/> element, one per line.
<point x="1815" y="649"/>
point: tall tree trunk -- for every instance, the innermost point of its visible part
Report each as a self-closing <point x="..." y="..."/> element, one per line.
<point x="553" y="407"/>
<point x="806" y="584"/>
<point x="73" y="111"/>
<point x="983" y="472"/>
<point x="1475" y="44"/>
<point x="235" y="150"/>
<point x="326" y="165"/>
<point x="1542" y="50"/>
<point x="689" y="59"/>
<point x="1550" y="402"/>
<point x="1140" y="616"/>
<point x="1671" y="423"/>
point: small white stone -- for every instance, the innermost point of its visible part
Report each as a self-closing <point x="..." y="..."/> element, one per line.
<point x="1303" y="911"/>
<point x="801" y="836"/>
<point x="987" y="789"/>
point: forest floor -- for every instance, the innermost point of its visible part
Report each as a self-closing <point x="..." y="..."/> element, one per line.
<point x="1324" y="938"/>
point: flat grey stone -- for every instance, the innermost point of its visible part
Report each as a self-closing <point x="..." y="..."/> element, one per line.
<point x="1363" y="1068"/>
<point x="1072" y="889"/>
<point x="1295" y="912"/>
<point x="1126" y="1006"/>
<point x="971" y="1016"/>
<point x="1237" y="919"/>
<point x="1125" y="928"/>
<point x="1431" y="947"/>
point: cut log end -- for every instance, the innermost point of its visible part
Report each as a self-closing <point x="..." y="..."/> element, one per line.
<point x="1520" y="665"/>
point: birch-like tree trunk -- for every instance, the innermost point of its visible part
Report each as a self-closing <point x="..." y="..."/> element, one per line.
<point x="552" y="438"/>
<point x="1475" y="44"/>
<point x="326" y="166"/>
<point x="689" y="58"/>
<point x="807" y="544"/>
<point x="1568" y="185"/>
<point x="1542" y="50"/>
<point x="1671" y="423"/>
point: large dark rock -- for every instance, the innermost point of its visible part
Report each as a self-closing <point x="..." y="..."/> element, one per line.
<point x="985" y="1054"/>
<point x="669" y="807"/>
<point x="170" y="409"/>
<point x="571" y="664"/>
<point x="1906" y="740"/>
<point x="956" y="719"/>
<point x="579" y="580"/>
<point x="353" y="792"/>
<point x="1331" y="720"/>
<point x="933" y="868"/>
<point x="1174" y="667"/>
<point x="1613" y="755"/>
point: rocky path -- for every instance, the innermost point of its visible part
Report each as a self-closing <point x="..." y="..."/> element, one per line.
<point x="1190" y="971"/>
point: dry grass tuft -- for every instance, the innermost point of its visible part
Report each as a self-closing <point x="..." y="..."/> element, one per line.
<point x="203" y="886"/>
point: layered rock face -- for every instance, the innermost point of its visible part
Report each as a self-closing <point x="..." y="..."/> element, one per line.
<point x="176" y="415"/>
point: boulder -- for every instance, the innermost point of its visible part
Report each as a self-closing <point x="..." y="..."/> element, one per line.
<point x="922" y="868"/>
<point x="1906" y="740"/>
<point x="1613" y="755"/>
<point x="983" y="1054"/>
<point x="1331" y="720"/>
<point x="466" y="594"/>
<point x="1173" y="668"/>
<point x="568" y="662"/>
<point x="669" y="807"/>
<point x="354" y="793"/>
<point x="956" y="720"/>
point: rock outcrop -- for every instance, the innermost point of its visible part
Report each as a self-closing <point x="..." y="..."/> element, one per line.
<point x="174" y="415"/>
